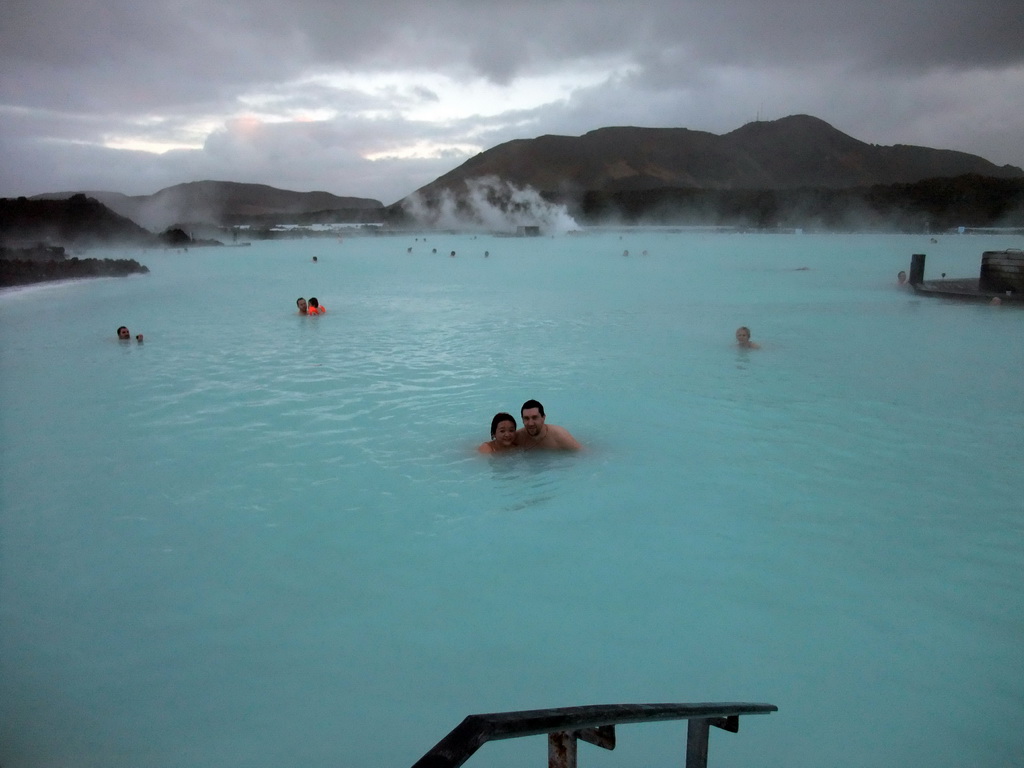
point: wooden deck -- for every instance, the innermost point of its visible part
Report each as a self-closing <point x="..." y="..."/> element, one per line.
<point x="965" y="289"/>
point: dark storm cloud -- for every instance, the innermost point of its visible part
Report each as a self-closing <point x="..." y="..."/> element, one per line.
<point x="75" y="76"/>
<point x="158" y="52"/>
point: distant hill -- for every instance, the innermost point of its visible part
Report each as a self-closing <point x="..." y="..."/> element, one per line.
<point x="796" y="171"/>
<point x="228" y="203"/>
<point x="79" y="221"/>
<point x="793" y="152"/>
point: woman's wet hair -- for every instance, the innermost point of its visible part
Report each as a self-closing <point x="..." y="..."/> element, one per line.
<point x="498" y="418"/>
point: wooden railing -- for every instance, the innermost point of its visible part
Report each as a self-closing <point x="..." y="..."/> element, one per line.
<point x="593" y="724"/>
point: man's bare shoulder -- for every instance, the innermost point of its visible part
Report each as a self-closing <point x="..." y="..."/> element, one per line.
<point x="559" y="437"/>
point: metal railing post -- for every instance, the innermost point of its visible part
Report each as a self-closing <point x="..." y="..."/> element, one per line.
<point x="596" y="725"/>
<point x="562" y="748"/>
<point x="697" y="731"/>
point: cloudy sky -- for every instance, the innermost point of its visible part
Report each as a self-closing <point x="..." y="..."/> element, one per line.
<point x="375" y="99"/>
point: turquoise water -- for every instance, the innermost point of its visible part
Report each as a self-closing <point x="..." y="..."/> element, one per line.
<point x="262" y="540"/>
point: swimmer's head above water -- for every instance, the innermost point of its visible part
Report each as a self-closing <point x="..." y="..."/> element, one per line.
<point x="537" y="433"/>
<point x="301" y="304"/>
<point x="503" y="434"/>
<point x="743" y="338"/>
<point x="533" y="417"/>
<point x="499" y="421"/>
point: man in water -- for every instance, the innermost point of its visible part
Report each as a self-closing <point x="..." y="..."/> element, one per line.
<point x="536" y="434"/>
<point x="901" y="278"/>
<point x="743" y="338"/>
<point x="301" y="304"/>
<point x="124" y="334"/>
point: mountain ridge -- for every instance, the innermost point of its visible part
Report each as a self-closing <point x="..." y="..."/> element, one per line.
<point x="219" y="202"/>
<point x="791" y="152"/>
<point x="642" y="174"/>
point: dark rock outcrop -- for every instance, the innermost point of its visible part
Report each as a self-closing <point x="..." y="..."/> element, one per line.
<point x="78" y="221"/>
<point x="176" y="237"/>
<point x="37" y="252"/>
<point x="15" y="271"/>
<point x="29" y="227"/>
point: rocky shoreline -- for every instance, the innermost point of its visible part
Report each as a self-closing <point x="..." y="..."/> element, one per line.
<point x="43" y="264"/>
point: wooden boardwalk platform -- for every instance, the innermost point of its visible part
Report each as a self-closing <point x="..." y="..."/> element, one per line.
<point x="964" y="289"/>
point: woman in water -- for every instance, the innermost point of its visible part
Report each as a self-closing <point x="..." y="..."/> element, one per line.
<point x="503" y="434"/>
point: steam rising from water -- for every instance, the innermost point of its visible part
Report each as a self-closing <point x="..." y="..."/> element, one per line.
<point x="493" y="205"/>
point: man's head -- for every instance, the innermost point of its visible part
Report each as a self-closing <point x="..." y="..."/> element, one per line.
<point x="533" y="417"/>
<point x="123" y="333"/>
<point x="743" y="335"/>
<point x="301" y="304"/>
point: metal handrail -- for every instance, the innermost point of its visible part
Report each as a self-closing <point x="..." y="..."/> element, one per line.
<point x="594" y="724"/>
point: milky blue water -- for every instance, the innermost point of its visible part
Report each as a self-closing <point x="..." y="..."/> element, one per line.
<point x="260" y="539"/>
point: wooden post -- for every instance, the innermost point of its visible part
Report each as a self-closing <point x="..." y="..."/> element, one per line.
<point x="916" y="269"/>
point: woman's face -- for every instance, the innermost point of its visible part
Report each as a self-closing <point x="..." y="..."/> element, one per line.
<point x="505" y="433"/>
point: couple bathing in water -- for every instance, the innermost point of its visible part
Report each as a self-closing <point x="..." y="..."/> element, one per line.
<point x="311" y="307"/>
<point x="535" y="433"/>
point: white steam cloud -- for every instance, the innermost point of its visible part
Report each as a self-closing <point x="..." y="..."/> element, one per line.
<point x="492" y="205"/>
